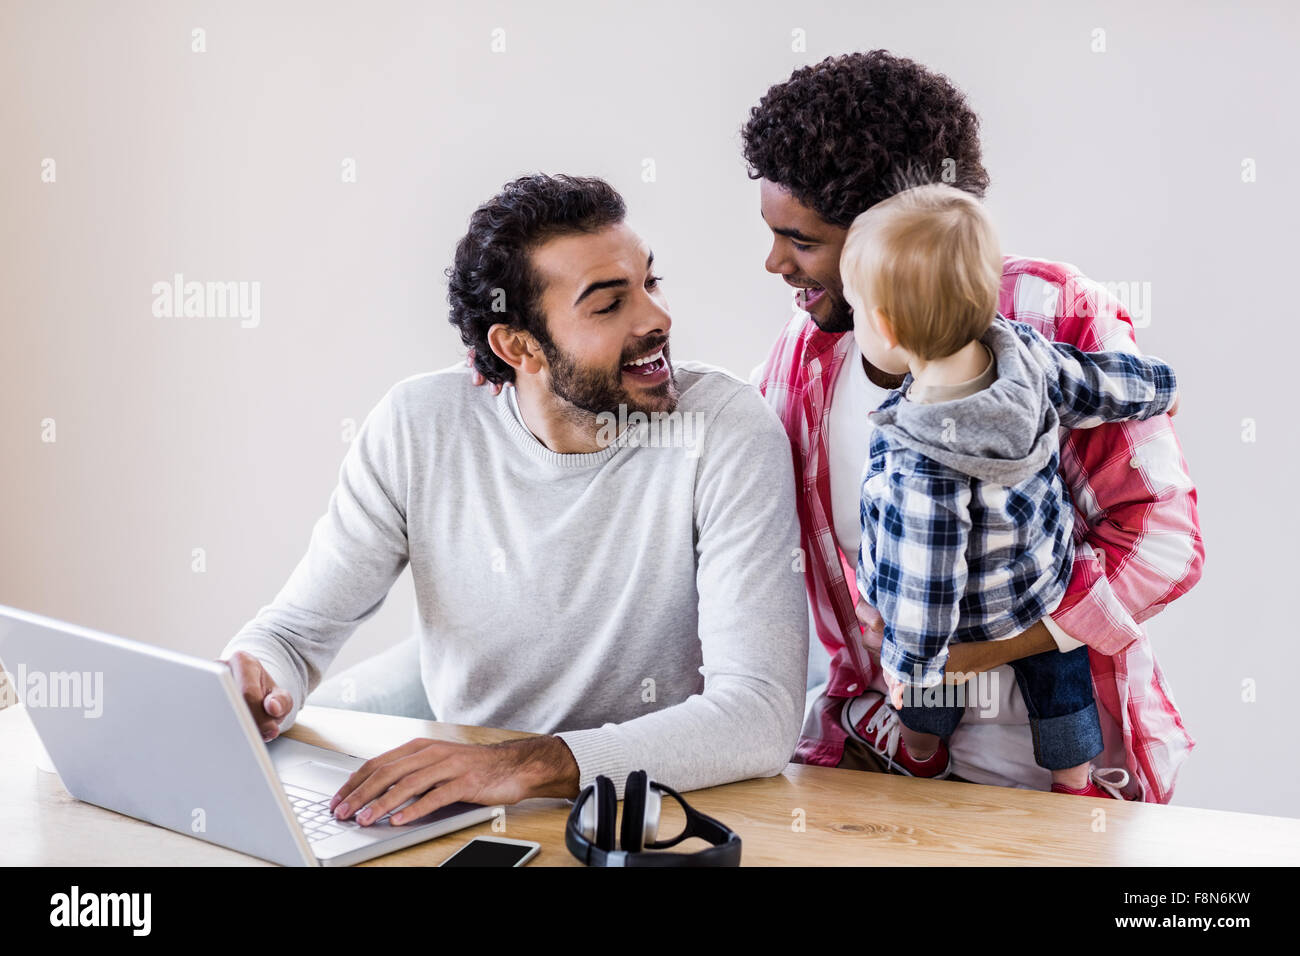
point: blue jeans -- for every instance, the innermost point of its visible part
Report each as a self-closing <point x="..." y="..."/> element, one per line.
<point x="1062" y="714"/>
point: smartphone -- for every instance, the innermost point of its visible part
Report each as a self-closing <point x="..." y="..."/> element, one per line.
<point x="493" y="851"/>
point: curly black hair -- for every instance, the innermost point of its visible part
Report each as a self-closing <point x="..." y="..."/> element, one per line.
<point x="491" y="280"/>
<point x="845" y="133"/>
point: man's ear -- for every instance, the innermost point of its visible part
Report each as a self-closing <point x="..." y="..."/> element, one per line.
<point x="884" y="327"/>
<point x="516" y="348"/>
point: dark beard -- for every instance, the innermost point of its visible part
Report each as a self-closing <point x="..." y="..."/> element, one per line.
<point x="840" y="319"/>
<point x="598" y="391"/>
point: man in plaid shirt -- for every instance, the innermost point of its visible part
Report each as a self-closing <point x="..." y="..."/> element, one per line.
<point x="827" y="144"/>
<point x="965" y="521"/>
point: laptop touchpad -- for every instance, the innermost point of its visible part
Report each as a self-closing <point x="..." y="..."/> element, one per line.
<point x="323" y="778"/>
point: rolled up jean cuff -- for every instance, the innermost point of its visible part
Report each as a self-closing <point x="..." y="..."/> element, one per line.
<point x="1068" y="740"/>
<point x="940" y="721"/>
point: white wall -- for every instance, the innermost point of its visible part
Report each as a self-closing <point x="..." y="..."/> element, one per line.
<point x="175" y="434"/>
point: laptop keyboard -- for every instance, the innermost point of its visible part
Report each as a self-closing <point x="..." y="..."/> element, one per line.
<point x="313" y="812"/>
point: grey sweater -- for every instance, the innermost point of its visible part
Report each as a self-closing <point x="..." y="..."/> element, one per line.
<point x="1008" y="432"/>
<point x="644" y="603"/>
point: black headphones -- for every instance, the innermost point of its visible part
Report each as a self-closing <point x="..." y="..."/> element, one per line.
<point x="589" y="834"/>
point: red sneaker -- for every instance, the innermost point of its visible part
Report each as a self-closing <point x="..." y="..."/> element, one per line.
<point x="870" y="721"/>
<point x="1108" y="782"/>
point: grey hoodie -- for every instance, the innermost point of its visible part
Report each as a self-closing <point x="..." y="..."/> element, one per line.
<point x="1009" y="431"/>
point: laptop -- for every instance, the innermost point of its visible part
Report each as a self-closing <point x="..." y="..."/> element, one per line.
<point x="166" y="738"/>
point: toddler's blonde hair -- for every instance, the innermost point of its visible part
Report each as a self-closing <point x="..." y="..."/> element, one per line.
<point x="928" y="257"/>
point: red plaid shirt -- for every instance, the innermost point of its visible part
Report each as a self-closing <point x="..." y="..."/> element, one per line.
<point x="1134" y="503"/>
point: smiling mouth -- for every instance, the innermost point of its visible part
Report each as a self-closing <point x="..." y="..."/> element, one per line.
<point x="806" y="296"/>
<point x="651" y="364"/>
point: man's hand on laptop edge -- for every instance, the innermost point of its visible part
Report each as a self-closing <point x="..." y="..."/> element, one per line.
<point x="446" y="772"/>
<point x="267" y="703"/>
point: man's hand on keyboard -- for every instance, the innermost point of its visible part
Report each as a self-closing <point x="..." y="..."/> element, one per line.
<point x="438" y="773"/>
<point x="268" y="703"/>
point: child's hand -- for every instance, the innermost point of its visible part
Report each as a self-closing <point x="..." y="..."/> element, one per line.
<point x="870" y="618"/>
<point x="895" y="690"/>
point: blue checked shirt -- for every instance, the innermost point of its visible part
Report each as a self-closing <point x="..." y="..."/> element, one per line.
<point x="966" y="525"/>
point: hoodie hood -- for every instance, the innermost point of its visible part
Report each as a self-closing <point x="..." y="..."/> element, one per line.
<point x="1003" y="434"/>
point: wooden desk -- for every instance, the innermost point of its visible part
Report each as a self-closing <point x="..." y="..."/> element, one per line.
<point x="849" y="818"/>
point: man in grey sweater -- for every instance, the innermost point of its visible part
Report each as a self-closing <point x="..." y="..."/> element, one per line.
<point x="605" y="553"/>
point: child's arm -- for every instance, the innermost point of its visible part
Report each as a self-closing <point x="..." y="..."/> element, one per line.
<point x="1092" y="388"/>
<point x="918" y="575"/>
